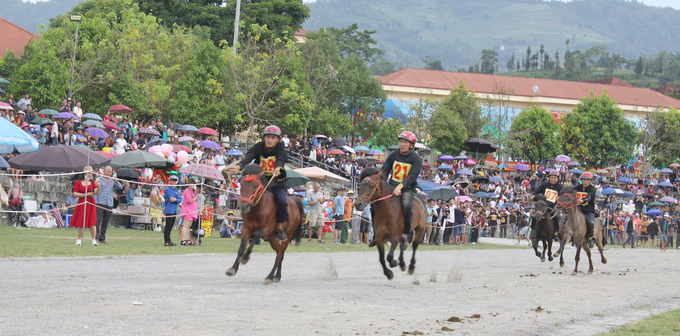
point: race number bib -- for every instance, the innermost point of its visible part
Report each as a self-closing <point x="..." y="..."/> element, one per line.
<point x="550" y="195"/>
<point x="268" y="164"/>
<point x="400" y="170"/>
<point x="580" y="196"/>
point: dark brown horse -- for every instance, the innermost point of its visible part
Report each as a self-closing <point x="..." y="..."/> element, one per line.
<point x="388" y="218"/>
<point x="259" y="220"/>
<point x="574" y="229"/>
<point x="544" y="228"/>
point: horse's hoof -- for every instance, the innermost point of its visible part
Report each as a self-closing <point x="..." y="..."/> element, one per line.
<point x="550" y="258"/>
<point x="390" y="275"/>
<point x="393" y="263"/>
<point x="411" y="270"/>
<point x="574" y="273"/>
<point x="538" y="254"/>
<point x="403" y="268"/>
<point x="267" y="281"/>
<point x="276" y="280"/>
<point x="604" y="261"/>
<point x="230" y="272"/>
<point x="556" y="254"/>
<point x="561" y="264"/>
<point x="543" y="259"/>
<point x="244" y="261"/>
<point x="590" y="272"/>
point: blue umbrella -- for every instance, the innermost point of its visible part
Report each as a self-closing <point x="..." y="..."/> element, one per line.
<point x="461" y="157"/>
<point x="491" y="195"/>
<point x="654" y="212"/>
<point x="188" y="128"/>
<point x="445" y="167"/>
<point x="464" y="172"/>
<point x="153" y="142"/>
<point x="479" y="194"/>
<point x="547" y="170"/>
<point x="375" y="152"/>
<point x="677" y="178"/>
<point x="234" y="152"/>
<point x="428" y="186"/>
<point x="527" y="208"/>
<point x="576" y="171"/>
<point x="503" y="166"/>
<point x="93" y="116"/>
<point x="521" y="167"/>
<point x="624" y="180"/>
<point x="3" y="163"/>
<point x="361" y="149"/>
<point x="665" y="184"/>
<point x="12" y="137"/>
<point x="666" y="171"/>
<point x="496" y="179"/>
<point x="609" y="191"/>
<point x="628" y="194"/>
<point x="93" y="123"/>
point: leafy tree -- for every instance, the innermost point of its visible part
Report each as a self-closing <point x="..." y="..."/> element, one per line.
<point x="542" y="51"/>
<point x="388" y="132"/>
<point x="558" y="68"/>
<point x="489" y="61"/>
<point x="382" y="67"/>
<point x="527" y="63"/>
<point x="433" y="64"/>
<point x="536" y="135"/>
<point x="659" y="137"/>
<point x="511" y="63"/>
<point x="596" y="133"/>
<point x="465" y="105"/>
<point x="448" y="130"/>
<point x="420" y="120"/>
<point x="352" y="41"/>
<point x="639" y="67"/>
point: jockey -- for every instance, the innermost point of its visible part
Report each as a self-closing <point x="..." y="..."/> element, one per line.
<point x="585" y="194"/>
<point x="550" y="189"/>
<point x="271" y="155"/>
<point x="404" y="167"/>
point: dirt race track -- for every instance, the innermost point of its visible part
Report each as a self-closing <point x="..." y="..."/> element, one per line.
<point x="335" y="294"/>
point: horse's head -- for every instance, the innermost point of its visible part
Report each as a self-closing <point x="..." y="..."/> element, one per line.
<point x="567" y="198"/>
<point x="251" y="187"/>
<point x="369" y="188"/>
<point x="540" y="207"/>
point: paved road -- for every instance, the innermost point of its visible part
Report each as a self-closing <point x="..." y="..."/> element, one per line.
<point x="333" y="294"/>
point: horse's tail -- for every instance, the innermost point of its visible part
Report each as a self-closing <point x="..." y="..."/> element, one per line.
<point x="298" y="230"/>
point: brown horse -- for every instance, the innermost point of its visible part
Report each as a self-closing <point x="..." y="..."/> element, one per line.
<point x="388" y="218"/>
<point x="545" y="231"/>
<point x="259" y="220"/>
<point x="574" y="230"/>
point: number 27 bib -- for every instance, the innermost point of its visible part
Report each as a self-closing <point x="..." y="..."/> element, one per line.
<point x="400" y="171"/>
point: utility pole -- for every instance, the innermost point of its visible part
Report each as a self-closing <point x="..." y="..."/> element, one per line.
<point x="74" y="18"/>
<point x="236" y="22"/>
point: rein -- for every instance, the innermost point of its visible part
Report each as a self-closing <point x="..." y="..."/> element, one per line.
<point x="567" y="205"/>
<point x="379" y="194"/>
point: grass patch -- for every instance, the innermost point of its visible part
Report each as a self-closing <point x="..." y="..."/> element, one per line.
<point x="61" y="243"/>
<point x="667" y="323"/>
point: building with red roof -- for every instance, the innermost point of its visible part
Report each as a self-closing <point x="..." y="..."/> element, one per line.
<point x="13" y="38"/>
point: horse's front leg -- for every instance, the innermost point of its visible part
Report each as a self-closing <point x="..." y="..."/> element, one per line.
<point x="576" y="259"/>
<point x="534" y="244"/>
<point x="381" y="256"/>
<point x="274" y="242"/>
<point x="390" y="255"/>
<point x="255" y="237"/>
<point x="244" y="239"/>
<point x="550" y="256"/>
<point x="590" y="260"/>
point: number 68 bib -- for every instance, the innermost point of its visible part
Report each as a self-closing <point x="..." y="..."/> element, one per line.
<point x="268" y="164"/>
<point x="400" y="171"/>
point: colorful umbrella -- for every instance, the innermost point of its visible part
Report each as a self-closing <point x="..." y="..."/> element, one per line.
<point x="349" y="149"/>
<point x="5" y="106"/>
<point x="110" y="125"/>
<point x="624" y="180"/>
<point x="573" y="163"/>
<point x="96" y="132"/>
<point x="92" y="116"/>
<point x="496" y="179"/>
<point x="562" y="158"/>
<point x="503" y="166"/>
<point x="234" y="152"/>
<point x="207" y="130"/>
<point x="375" y="152"/>
<point x="465" y="199"/>
<point x="461" y="157"/>
<point x="666" y="171"/>
<point x="120" y="109"/>
<point x="141" y="159"/>
<point x="668" y="199"/>
<point x="185" y="138"/>
<point x="202" y="170"/>
<point x="320" y="136"/>
<point x="419" y="145"/>
<point x="445" y="167"/>
<point x="93" y="123"/>
<point x="294" y="179"/>
<point x="521" y="167"/>
<point x="576" y="171"/>
<point x="446" y="158"/>
<point x="464" y="172"/>
<point x="14" y="138"/>
<point x="361" y="149"/>
<point x="335" y="151"/>
<point x="149" y="131"/>
<point x="181" y="148"/>
<point x="674" y="165"/>
<point x="67" y="115"/>
<point x="665" y="184"/>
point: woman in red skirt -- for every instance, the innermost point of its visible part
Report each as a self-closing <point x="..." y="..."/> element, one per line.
<point x="85" y="188"/>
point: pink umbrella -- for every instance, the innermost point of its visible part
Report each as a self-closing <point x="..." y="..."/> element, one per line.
<point x="419" y="145"/>
<point x="202" y="170"/>
<point x="465" y="199"/>
<point x="5" y="106"/>
<point x="120" y="109"/>
<point x="207" y="130"/>
<point x="469" y="162"/>
<point x="674" y="165"/>
<point x="562" y="158"/>
<point x="320" y="136"/>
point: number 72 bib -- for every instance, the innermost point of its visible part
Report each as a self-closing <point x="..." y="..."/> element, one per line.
<point x="400" y="171"/>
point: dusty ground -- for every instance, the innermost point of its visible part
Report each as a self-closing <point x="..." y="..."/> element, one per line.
<point x="334" y="294"/>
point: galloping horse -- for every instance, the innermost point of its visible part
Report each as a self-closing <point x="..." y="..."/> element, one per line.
<point x="545" y="230"/>
<point x="259" y="220"/>
<point x="388" y="219"/>
<point x="574" y="230"/>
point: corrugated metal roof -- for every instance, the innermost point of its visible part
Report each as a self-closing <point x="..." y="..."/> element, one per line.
<point x="522" y="86"/>
<point x="13" y="37"/>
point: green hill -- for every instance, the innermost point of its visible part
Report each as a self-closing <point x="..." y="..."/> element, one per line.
<point x="455" y="31"/>
<point x="30" y="15"/>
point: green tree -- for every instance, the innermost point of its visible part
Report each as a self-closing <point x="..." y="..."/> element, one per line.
<point x="351" y="41"/>
<point x="639" y="67"/>
<point x="536" y="135"/>
<point x="596" y="133"/>
<point x="382" y="67"/>
<point x="489" y="61"/>
<point x="511" y="63"/>
<point x="432" y="63"/>
<point x="448" y="130"/>
<point x="387" y="133"/>
<point x="466" y="106"/>
<point x="527" y="63"/>
<point x="659" y="137"/>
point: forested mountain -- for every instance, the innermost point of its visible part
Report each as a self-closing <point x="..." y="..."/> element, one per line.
<point x="30" y="15"/>
<point x="456" y="31"/>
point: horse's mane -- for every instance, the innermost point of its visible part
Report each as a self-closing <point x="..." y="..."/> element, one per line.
<point x="567" y="190"/>
<point x="251" y="169"/>
<point x="368" y="171"/>
<point x="539" y="198"/>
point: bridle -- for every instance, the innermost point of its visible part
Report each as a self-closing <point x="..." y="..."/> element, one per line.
<point x="375" y="188"/>
<point x="258" y="192"/>
<point x="567" y="205"/>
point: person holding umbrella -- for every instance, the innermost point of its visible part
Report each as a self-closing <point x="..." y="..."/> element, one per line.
<point x="85" y="214"/>
<point x="271" y="155"/>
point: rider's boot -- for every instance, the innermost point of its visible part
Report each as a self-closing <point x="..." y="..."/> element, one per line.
<point x="281" y="233"/>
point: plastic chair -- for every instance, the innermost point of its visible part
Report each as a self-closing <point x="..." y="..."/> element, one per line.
<point x="67" y="219"/>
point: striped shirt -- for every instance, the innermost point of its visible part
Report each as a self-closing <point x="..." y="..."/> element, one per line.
<point x="105" y="196"/>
